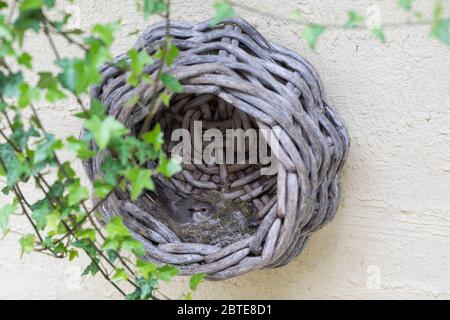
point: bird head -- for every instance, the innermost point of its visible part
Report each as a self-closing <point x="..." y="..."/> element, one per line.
<point x="196" y="211"/>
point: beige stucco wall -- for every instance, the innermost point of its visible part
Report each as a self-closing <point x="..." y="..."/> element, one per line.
<point x="391" y="236"/>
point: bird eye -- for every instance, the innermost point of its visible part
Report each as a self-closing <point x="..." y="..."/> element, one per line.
<point x="203" y="209"/>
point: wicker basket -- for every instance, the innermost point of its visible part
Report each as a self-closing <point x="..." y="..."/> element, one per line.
<point x="234" y="78"/>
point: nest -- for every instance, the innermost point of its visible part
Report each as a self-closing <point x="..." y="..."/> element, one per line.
<point x="232" y="78"/>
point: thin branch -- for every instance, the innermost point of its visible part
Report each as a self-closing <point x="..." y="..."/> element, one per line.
<point x="154" y="99"/>
<point x="327" y="25"/>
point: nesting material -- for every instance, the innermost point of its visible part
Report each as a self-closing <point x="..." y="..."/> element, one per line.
<point x="232" y="78"/>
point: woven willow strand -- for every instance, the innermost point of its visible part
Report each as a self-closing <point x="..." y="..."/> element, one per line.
<point x="234" y="78"/>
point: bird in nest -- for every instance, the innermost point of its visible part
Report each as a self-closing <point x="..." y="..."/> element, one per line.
<point x="184" y="209"/>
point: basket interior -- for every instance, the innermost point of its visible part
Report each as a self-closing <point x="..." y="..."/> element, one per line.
<point x="233" y="182"/>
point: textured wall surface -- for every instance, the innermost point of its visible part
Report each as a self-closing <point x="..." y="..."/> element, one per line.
<point x="391" y="236"/>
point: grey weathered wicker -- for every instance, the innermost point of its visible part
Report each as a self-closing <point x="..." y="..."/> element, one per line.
<point x="234" y="78"/>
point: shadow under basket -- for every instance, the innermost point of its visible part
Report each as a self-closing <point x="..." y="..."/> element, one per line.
<point x="232" y="79"/>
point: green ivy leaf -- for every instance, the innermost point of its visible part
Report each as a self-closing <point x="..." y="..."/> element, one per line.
<point x="86" y="245"/>
<point x="379" y="34"/>
<point x="195" y="280"/>
<point x="5" y="212"/>
<point x="146" y="269"/>
<point x="154" y="137"/>
<point x="116" y="228"/>
<point x="73" y="254"/>
<point x="25" y="60"/>
<point x="311" y="34"/>
<point x="81" y="148"/>
<point x="77" y="193"/>
<point x="168" y="167"/>
<point x="102" y="188"/>
<point x="106" y="32"/>
<point x="154" y="6"/>
<point x="132" y="245"/>
<point x="354" y="19"/>
<point x="5" y="31"/>
<point x="167" y="272"/>
<point x="171" y="83"/>
<point x="119" y="275"/>
<point x="86" y="234"/>
<point x="27" y="94"/>
<point x="30" y="4"/>
<point x="138" y="60"/>
<point x="40" y="210"/>
<point x="27" y="243"/>
<point x="223" y="10"/>
<point x="92" y="268"/>
<point x="405" y="4"/>
<point x="53" y="222"/>
<point x="14" y="167"/>
<point x="140" y="179"/>
<point x="49" y="82"/>
<point x="45" y="149"/>
<point x="104" y="130"/>
<point x="439" y="26"/>
<point x="165" y="98"/>
<point x="9" y="84"/>
<point x="171" y="54"/>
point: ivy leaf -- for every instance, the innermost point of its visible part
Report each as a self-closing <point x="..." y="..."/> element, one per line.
<point x="14" y="167"/>
<point x="68" y="77"/>
<point x="167" y="272"/>
<point x="81" y="148"/>
<point x="439" y="26"/>
<point x="86" y="245"/>
<point x="51" y="84"/>
<point x="45" y="150"/>
<point x="405" y="4"/>
<point x="40" y="210"/>
<point x="77" y="193"/>
<point x="9" y="84"/>
<point x="73" y="254"/>
<point x="102" y="188"/>
<point x="171" y="83"/>
<point x="104" y="130"/>
<point x="195" y="280"/>
<point x="119" y="275"/>
<point x="27" y="94"/>
<point x="311" y="34"/>
<point x="146" y="269"/>
<point x="165" y="98"/>
<point x="354" y="19"/>
<point x="379" y="34"/>
<point x="53" y="221"/>
<point x="154" y="6"/>
<point x="5" y="32"/>
<point x="132" y="245"/>
<point x="168" y="167"/>
<point x="5" y="213"/>
<point x="25" y="60"/>
<point x="140" y="179"/>
<point x="138" y="60"/>
<point x="116" y="228"/>
<point x="30" y="4"/>
<point x="92" y="268"/>
<point x="154" y="137"/>
<point x="27" y="243"/>
<point x="223" y="10"/>
<point x="171" y="54"/>
<point x="86" y="234"/>
<point x="106" y="32"/>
